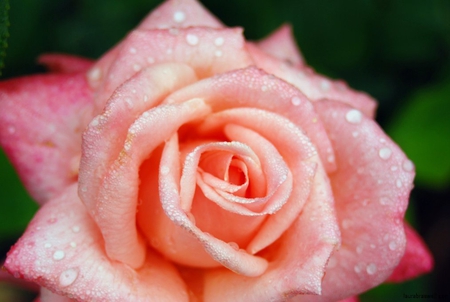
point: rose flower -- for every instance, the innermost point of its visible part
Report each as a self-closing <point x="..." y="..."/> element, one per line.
<point x="188" y="164"/>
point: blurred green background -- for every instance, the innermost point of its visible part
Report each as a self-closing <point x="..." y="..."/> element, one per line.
<point x="398" y="51"/>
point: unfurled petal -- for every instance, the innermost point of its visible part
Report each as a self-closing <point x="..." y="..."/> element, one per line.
<point x="416" y="261"/>
<point x="282" y="45"/>
<point x="56" y="62"/>
<point x="42" y="119"/>
<point x="370" y="203"/>
<point x="63" y="251"/>
<point x="313" y="85"/>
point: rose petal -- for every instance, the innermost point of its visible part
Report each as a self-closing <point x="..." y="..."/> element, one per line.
<point x="48" y="296"/>
<point x="41" y="121"/>
<point x="196" y="47"/>
<point x="114" y="208"/>
<point x="107" y="133"/>
<point x="282" y="45"/>
<point x="254" y="88"/>
<point x="297" y="151"/>
<point x="313" y="85"/>
<point x="63" y="251"/>
<point x="416" y="261"/>
<point x="297" y="261"/>
<point x="180" y="13"/>
<point x="371" y="191"/>
<point x="175" y="240"/>
<point x="56" y="62"/>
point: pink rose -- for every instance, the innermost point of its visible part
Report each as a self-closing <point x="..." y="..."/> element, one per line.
<point x="188" y="164"/>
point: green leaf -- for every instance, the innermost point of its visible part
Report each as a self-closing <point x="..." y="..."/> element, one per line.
<point x="17" y="208"/>
<point x="422" y="129"/>
<point x="4" y="34"/>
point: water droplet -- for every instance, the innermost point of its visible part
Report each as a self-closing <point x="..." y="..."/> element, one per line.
<point x="384" y="201"/>
<point x="218" y="53"/>
<point x="371" y="268"/>
<point x="408" y="165"/>
<point x="357" y="269"/>
<point x="68" y="277"/>
<point x="385" y="153"/>
<point x="164" y="170"/>
<point x="394" y="168"/>
<point x="169" y="51"/>
<point x="325" y="85"/>
<point x="136" y="67"/>
<point x="264" y="88"/>
<point x="192" y="39"/>
<point x="234" y="245"/>
<point x="398" y="183"/>
<point x="219" y="41"/>
<point x="133" y="50"/>
<point x="76" y="229"/>
<point x="392" y="245"/>
<point x="58" y="255"/>
<point x="179" y="16"/>
<point x="94" y="74"/>
<point x="355" y="133"/>
<point x="296" y="101"/>
<point x="48" y="245"/>
<point x="359" y="249"/>
<point x="150" y="60"/>
<point x="73" y="244"/>
<point x="353" y="116"/>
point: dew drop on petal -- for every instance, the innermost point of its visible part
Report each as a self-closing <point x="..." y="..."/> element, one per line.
<point x="353" y="116"/>
<point x="385" y="153"/>
<point x="359" y="249"/>
<point x="408" y="165"/>
<point x="218" y="53"/>
<point x="392" y="246"/>
<point x="94" y="74"/>
<point x="68" y="277"/>
<point x="76" y="229"/>
<point x="59" y="255"/>
<point x="296" y="101"/>
<point x="234" y="245"/>
<point x="192" y="39"/>
<point x="133" y="50"/>
<point x="164" y="170"/>
<point x="73" y="244"/>
<point x="179" y="16"/>
<point x="219" y="41"/>
<point x="357" y="269"/>
<point x="325" y="85"/>
<point x="48" y="245"/>
<point x="371" y="268"/>
<point x="398" y="183"/>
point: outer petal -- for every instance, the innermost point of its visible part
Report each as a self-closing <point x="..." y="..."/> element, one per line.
<point x="313" y="85"/>
<point x="281" y="44"/>
<point x="208" y="51"/>
<point x="48" y="296"/>
<point x="64" y="63"/>
<point x="63" y="251"/>
<point x="180" y="13"/>
<point x="41" y="121"/>
<point x="297" y="261"/>
<point x="417" y="259"/>
<point x="371" y="188"/>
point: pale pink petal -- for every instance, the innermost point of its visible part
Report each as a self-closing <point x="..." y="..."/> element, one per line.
<point x="114" y="208"/>
<point x="195" y="46"/>
<point x="56" y="62"/>
<point x="313" y="85"/>
<point x="416" y="261"/>
<point x="103" y="144"/>
<point x="62" y="250"/>
<point x="282" y="45"/>
<point x="180" y="13"/>
<point x="293" y="146"/>
<point x="371" y="188"/>
<point x="41" y="121"/>
<point x="254" y="88"/>
<point x="176" y="243"/>
<point x="48" y="296"/>
<point x="297" y="261"/>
